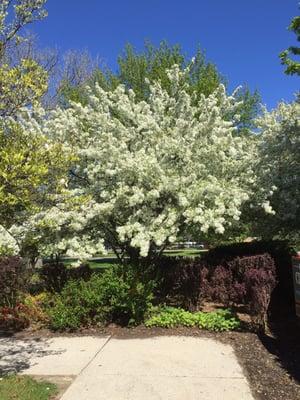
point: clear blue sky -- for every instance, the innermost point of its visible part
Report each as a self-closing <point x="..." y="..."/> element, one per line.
<point x="242" y="37"/>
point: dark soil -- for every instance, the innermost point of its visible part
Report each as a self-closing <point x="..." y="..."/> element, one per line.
<point x="271" y="361"/>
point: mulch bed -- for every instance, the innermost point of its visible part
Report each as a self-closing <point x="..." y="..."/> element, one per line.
<point x="270" y="361"/>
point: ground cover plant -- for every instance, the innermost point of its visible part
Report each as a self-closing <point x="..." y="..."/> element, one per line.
<point x="25" y="388"/>
<point x="170" y="317"/>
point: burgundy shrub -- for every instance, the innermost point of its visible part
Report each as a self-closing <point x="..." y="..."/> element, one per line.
<point x="180" y="281"/>
<point x="14" y="276"/>
<point x="14" y="318"/>
<point x="55" y="275"/>
<point x="248" y="281"/>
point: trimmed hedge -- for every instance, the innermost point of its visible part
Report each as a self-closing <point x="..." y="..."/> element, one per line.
<point x="281" y="253"/>
<point x="251" y="274"/>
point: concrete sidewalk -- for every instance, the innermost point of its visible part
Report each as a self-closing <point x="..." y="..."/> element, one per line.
<point x="167" y="367"/>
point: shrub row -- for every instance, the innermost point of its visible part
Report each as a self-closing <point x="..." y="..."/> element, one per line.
<point x="251" y="274"/>
<point x="242" y="280"/>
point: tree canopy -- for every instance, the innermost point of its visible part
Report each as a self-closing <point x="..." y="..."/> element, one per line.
<point x="287" y="56"/>
<point x="152" y="64"/>
<point x="31" y="165"/>
<point x="146" y="170"/>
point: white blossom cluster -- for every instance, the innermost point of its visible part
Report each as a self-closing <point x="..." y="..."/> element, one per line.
<point x="279" y="162"/>
<point x="146" y="170"/>
<point x="8" y="244"/>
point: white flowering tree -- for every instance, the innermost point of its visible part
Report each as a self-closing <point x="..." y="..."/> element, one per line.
<point x="145" y="171"/>
<point x="279" y="169"/>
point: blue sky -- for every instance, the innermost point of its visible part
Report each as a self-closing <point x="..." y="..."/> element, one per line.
<point x="242" y="37"/>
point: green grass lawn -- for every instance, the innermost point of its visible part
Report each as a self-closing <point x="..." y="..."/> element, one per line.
<point x="185" y="252"/>
<point x="25" y="388"/>
<point x="110" y="259"/>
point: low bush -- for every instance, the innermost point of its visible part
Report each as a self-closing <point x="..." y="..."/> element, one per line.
<point x="170" y="317"/>
<point x="14" y="276"/>
<point x="114" y="296"/>
<point x="30" y="312"/>
<point x="36" y="308"/>
<point x="14" y="318"/>
<point x="243" y="280"/>
<point x="55" y="275"/>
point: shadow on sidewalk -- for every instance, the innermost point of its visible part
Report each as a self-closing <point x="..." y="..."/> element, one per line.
<point x="283" y="341"/>
<point x="15" y="355"/>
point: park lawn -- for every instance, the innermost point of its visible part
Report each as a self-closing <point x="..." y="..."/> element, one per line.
<point x="107" y="261"/>
<point x="96" y="264"/>
<point x="185" y="252"/>
<point x="23" y="387"/>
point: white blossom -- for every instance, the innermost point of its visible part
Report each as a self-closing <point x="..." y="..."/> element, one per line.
<point x="145" y="171"/>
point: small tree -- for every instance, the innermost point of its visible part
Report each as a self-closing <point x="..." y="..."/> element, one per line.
<point x="146" y="171"/>
<point x="31" y="164"/>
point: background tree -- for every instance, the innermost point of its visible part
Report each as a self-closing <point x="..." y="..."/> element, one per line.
<point x="287" y="56"/>
<point x="23" y="83"/>
<point x="279" y="169"/>
<point x="14" y="16"/>
<point x="136" y="68"/>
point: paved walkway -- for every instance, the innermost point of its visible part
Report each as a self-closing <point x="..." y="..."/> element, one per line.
<point x="106" y="368"/>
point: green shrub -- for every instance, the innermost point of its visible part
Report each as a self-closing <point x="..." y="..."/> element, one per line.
<point x="170" y="317"/>
<point x="114" y="296"/>
<point x="79" y="303"/>
<point x="126" y="297"/>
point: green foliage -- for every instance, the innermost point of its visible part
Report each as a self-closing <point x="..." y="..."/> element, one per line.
<point x="27" y="163"/>
<point x="152" y="64"/>
<point x="292" y="66"/>
<point x="22" y="85"/>
<point x="25" y="388"/>
<point x="248" y="109"/>
<point x="14" y="16"/>
<point x="114" y="296"/>
<point x="31" y="165"/>
<point x="170" y="317"/>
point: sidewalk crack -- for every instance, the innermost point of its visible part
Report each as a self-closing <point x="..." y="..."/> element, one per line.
<point x="95" y="355"/>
